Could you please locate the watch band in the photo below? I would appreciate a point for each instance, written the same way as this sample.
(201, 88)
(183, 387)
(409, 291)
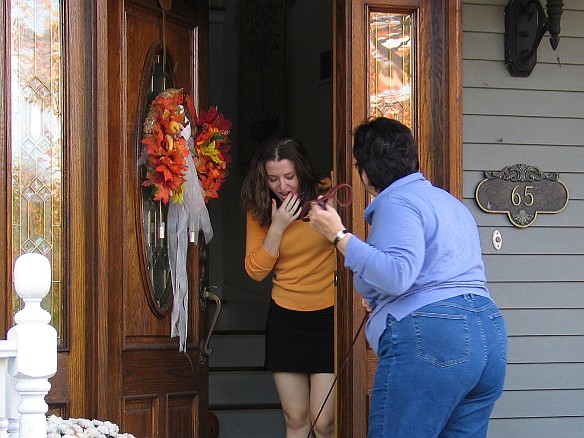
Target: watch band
(339, 236)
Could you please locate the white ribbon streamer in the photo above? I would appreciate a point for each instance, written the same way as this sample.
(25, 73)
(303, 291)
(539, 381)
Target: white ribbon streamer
(185, 219)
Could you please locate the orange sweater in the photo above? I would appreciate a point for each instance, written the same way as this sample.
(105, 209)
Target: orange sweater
(303, 270)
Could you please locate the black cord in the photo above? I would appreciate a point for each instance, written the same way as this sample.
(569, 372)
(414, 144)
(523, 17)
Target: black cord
(337, 376)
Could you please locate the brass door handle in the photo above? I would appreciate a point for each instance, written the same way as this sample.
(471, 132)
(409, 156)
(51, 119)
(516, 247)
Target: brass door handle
(208, 295)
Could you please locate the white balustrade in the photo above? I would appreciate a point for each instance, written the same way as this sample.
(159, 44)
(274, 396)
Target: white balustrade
(7, 390)
(28, 356)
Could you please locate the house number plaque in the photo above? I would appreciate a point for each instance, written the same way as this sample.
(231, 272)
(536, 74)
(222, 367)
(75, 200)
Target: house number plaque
(521, 191)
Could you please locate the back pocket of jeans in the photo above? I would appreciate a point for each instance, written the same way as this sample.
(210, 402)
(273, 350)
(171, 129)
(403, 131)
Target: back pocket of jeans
(499, 324)
(442, 339)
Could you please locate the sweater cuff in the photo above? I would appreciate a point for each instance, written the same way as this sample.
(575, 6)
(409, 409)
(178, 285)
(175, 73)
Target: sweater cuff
(265, 259)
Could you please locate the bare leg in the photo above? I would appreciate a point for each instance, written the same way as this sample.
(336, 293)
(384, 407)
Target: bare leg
(320, 385)
(294, 392)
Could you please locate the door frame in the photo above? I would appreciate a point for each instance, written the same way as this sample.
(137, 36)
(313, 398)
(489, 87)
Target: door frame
(440, 142)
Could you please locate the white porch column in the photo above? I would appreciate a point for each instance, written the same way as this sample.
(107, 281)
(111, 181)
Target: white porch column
(36, 357)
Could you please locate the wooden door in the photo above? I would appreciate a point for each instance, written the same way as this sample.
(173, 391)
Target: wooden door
(154, 389)
(436, 120)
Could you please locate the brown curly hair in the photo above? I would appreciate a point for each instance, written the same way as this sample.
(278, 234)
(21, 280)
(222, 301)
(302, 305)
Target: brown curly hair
(256, 197)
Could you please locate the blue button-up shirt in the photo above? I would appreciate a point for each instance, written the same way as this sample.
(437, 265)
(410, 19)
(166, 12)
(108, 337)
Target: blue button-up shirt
(423, 246)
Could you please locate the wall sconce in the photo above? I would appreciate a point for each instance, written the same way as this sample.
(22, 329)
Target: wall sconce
(525, 25)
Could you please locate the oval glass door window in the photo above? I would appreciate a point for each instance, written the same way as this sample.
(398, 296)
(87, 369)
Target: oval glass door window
(154, 213)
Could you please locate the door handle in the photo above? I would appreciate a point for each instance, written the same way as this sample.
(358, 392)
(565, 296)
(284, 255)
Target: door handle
(208, 295)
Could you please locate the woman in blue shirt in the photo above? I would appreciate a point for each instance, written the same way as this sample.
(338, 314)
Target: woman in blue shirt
(440, 339)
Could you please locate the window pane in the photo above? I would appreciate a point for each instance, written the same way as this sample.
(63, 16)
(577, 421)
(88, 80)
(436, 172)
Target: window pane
(37, 140)
(391, 66)
(155, 213)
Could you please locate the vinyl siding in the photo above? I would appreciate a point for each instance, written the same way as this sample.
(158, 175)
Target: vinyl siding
(537, 277)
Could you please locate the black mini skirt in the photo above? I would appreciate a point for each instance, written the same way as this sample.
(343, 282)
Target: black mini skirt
(300, 341)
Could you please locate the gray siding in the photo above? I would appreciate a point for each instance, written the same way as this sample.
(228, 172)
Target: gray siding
(537, 277)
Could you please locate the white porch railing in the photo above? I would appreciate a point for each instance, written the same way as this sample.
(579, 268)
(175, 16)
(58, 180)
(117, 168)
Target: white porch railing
(28, 356)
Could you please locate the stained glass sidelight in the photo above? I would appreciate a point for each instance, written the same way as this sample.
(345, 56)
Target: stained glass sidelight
(37, 140)
(391, 66)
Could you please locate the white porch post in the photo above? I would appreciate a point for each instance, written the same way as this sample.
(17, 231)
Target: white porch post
(36, 357)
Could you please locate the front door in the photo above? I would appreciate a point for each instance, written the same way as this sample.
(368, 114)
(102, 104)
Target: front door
(400, 59)
(156, 390)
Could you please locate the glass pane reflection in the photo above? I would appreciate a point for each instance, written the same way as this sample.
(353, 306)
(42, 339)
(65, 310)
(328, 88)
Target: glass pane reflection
(391, 66)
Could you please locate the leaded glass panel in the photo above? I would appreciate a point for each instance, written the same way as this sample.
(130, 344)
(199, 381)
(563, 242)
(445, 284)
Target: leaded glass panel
(391, 66)
(37, 140)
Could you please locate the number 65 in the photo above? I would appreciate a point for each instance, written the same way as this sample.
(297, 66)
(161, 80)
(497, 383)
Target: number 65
(527, 198)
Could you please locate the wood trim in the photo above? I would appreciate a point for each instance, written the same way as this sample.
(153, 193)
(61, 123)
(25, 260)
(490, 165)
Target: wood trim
(5, 187)
(439, 131)
(98, 311)
(110, 335)
(350, 402)
(455, 171)
(78, 141)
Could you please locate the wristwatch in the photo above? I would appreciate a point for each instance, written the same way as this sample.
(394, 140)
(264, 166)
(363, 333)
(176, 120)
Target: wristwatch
(341, 234)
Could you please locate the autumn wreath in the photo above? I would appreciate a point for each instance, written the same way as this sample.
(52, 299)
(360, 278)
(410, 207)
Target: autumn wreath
(172, 131)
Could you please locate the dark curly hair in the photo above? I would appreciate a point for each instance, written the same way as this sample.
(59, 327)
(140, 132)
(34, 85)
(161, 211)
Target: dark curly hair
(386, 150)
(256, 196)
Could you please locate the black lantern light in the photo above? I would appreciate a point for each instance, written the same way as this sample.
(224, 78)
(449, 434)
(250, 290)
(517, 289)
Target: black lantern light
(525, 25)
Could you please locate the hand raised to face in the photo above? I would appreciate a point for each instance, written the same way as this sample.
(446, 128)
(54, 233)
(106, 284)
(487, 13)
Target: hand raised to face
(287, 213)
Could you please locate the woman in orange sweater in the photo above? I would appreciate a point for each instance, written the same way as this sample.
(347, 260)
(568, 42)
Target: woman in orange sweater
(300, 324)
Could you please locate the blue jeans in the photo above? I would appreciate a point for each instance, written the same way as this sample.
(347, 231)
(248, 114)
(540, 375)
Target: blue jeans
(440, 371)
